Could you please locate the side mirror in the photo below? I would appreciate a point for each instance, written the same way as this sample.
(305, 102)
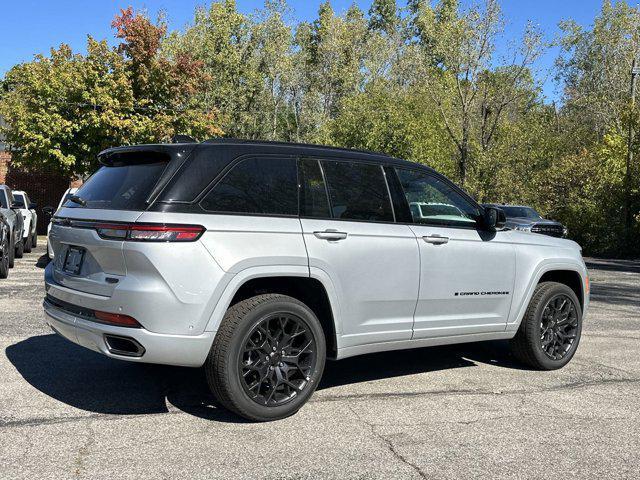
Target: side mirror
(48, 210)
(33, 206)
(494, 218)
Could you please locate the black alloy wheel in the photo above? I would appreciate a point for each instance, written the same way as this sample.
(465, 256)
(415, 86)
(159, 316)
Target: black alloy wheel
(558, 326)
(267, 357)
(550, 330)
(278, 358)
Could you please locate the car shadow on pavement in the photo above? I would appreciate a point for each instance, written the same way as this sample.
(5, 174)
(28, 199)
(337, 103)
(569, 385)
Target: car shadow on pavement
(89, 381)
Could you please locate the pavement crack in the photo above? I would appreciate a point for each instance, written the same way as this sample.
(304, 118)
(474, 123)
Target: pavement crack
(83, 452)
(388, 444)
(470, 392)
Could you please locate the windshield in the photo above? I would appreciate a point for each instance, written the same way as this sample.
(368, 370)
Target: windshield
(3, 200)
(66, 197)
(122, 187)
(18, 199)
(520, 212)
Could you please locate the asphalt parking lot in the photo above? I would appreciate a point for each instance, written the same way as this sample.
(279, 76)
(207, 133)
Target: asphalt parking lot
(466, 411)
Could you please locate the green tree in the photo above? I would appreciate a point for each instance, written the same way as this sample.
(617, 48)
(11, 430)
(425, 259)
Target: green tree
(62, 109)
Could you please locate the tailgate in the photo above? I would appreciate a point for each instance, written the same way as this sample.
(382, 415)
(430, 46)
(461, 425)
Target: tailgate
(102, 261)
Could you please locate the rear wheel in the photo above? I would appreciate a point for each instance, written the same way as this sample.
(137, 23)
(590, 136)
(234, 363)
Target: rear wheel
(550, 330)
(4, 259)
(34, 240)
(267, 357)
(20, 249)
(27, 244)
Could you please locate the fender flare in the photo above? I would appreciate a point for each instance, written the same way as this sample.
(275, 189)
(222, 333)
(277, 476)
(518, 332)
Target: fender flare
(542, 268)
(240, 278)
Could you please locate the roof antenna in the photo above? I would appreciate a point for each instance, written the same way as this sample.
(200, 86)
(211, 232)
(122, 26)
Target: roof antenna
(183, 139)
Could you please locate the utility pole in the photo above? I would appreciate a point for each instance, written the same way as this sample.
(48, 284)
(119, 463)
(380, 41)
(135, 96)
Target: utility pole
(635, 70)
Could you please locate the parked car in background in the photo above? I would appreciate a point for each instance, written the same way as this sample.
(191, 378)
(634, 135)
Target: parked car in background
(5, 245)
(30, 217)
(16, 223)
(527, 219)
(50, 211)
(259, 260)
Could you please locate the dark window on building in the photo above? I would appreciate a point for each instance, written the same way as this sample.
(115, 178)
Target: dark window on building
(357, 191)
(266, 186)
(313, 194)
(436, 202)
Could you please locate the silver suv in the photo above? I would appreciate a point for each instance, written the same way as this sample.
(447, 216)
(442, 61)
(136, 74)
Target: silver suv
(260, 260)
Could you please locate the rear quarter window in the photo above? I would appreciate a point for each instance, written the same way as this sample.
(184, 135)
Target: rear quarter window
(120, 187)
(257, 185)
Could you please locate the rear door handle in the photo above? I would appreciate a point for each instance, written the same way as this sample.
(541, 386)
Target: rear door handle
(435, 239)
(330, 235)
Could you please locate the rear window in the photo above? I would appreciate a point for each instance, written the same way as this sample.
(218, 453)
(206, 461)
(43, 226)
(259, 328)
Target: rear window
(120, 187)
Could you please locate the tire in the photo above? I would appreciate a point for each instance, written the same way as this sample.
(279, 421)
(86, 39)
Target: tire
(528, 346)
(27, 244)
(4, 260)
(34, 240)
(228, 360)
(20, 249)
(12, 252)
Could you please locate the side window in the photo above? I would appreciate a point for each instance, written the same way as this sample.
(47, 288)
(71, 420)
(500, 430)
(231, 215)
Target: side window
(357, 191)
(257, 186)
(3, 199)
(313, 194)
(433, 201)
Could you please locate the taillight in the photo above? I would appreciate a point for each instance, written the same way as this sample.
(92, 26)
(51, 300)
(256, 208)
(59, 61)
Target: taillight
(116, 319)
(140, 232)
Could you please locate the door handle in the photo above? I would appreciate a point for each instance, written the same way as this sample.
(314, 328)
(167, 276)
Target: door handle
(435, 239)
(330, 235)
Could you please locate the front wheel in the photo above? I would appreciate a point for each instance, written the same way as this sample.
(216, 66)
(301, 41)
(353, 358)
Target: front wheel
(267, 357)
(34, 240)
(19, 250)
(12, 252)
(550, 330)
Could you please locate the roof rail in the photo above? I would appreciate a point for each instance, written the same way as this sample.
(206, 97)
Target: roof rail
(229, 140)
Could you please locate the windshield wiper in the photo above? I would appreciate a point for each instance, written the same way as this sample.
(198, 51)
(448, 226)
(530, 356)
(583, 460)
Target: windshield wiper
(79, 200)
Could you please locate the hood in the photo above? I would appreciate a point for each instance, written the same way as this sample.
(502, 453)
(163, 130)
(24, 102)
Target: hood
(530, 221)
(546, 240)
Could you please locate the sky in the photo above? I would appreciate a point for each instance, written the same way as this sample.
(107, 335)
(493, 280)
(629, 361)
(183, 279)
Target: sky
(29, 27)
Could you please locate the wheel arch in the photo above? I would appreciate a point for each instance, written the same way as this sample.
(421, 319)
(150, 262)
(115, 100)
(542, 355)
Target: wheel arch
(570, 273)
(570, 278)
(296, 283)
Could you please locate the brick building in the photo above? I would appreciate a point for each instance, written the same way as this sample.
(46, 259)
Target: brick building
(43, 187)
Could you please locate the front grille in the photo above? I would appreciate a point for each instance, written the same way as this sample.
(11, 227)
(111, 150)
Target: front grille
(551, 230)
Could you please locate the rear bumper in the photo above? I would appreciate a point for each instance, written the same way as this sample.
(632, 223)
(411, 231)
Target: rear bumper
(179, 350)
